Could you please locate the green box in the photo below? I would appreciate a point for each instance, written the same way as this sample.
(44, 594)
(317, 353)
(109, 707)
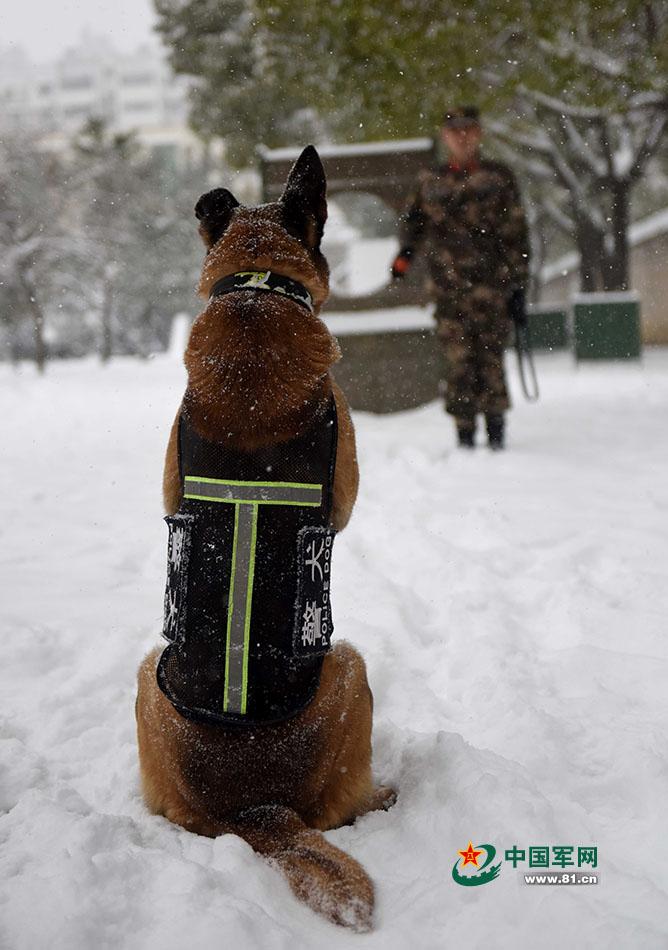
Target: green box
(548, 328)
(607, 326)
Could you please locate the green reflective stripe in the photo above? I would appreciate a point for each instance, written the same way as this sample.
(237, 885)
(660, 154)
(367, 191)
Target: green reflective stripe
(251, 501)
(238, 620)
(249, 599)
(232, 481)
(262, 493)
(230, 608)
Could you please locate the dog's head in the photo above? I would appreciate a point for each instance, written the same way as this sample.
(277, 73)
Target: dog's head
(283, 236)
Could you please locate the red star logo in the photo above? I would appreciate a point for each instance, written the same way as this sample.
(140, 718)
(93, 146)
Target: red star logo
(470, 855)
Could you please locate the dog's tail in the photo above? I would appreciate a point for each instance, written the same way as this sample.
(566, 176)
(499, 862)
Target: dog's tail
(328, 880)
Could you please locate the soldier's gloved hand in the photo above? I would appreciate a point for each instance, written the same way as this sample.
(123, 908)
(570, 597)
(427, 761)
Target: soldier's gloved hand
(517, 310)
(401, 264)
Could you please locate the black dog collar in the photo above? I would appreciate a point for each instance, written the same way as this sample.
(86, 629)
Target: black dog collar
(264, 280)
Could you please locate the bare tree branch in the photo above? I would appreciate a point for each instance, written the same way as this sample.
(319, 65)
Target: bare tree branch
(649, 145)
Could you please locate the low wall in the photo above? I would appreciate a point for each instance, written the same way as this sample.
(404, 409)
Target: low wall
(390, 360)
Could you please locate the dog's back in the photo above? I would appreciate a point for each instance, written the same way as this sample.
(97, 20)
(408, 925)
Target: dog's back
(258, 382)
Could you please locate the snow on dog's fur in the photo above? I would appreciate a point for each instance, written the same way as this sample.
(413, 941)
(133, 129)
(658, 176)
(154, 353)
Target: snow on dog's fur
(258, 371)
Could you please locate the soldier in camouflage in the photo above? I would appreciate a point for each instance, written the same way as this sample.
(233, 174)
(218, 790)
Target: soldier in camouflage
(467, 219)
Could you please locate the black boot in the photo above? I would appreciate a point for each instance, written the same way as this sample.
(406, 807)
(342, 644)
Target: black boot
(465, 432)
(495, 431)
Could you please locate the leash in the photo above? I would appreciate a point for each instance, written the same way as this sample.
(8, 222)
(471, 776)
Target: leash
(524, 353)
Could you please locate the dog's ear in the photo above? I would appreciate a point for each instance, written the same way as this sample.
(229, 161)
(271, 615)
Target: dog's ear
(213, 211)
(304, 200)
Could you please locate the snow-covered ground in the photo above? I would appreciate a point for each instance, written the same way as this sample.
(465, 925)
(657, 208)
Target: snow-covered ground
(513, 611)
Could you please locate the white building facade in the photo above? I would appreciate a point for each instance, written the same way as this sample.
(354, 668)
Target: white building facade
(134, 91)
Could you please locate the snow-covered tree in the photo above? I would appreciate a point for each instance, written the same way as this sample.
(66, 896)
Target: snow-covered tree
(233, 54)
(140, 254)
(35, 239)
(589, 114)
(100, 247)
(108, 173)
(578, 91)
(159, 276)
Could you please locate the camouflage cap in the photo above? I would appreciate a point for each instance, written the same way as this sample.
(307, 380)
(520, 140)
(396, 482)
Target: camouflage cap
(461, 117)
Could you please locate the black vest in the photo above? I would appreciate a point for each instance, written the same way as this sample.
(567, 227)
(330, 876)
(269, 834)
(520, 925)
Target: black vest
(247, 603)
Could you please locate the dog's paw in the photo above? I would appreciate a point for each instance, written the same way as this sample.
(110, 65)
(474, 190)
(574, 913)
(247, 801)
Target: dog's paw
(384, 798)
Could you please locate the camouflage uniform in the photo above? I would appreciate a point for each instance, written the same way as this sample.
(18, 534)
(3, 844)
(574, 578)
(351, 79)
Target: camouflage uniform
(469, 224)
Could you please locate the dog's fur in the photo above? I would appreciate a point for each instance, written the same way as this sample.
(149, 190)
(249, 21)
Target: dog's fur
(258, 369)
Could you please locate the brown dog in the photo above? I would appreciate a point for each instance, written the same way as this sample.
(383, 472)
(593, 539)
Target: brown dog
(258, 376)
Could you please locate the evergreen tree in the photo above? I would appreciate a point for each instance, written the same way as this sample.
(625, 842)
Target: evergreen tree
(233, 54)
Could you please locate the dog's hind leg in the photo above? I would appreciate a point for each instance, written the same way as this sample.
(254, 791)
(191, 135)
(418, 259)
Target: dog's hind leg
(349, 790)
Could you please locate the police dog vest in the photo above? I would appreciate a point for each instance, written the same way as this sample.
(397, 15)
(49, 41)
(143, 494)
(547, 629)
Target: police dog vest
(247, 603)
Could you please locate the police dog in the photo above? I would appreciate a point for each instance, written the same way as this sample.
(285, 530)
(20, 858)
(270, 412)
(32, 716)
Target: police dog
(258, 362)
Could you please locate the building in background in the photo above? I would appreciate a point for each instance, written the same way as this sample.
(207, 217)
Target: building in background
(134, 91)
